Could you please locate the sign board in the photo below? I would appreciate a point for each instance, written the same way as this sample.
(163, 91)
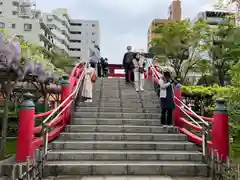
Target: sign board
(119, 71)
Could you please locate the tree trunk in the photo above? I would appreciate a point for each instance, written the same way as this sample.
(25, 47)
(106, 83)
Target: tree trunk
(221, 78)
(5, 125)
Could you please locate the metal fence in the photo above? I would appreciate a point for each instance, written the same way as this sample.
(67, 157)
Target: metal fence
(32, 169)
(222, 169)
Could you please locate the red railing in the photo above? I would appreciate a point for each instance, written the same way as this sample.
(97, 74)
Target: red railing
(192, 124)
(55, 120)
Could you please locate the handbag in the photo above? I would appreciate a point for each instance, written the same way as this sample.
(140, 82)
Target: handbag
(141, 70)
(94, 78)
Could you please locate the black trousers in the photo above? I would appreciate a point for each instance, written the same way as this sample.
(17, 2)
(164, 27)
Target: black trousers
(166, 116)
(127, 76)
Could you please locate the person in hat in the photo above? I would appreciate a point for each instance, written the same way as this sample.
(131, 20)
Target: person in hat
(166, 97)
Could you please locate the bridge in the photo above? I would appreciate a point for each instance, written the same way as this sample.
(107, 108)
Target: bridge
(119, 133)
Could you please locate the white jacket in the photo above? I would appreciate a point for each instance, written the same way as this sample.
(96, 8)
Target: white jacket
(163, 88)
(138, 64)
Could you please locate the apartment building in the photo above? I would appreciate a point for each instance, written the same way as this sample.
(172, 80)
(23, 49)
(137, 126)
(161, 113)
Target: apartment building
(21, 18)
(174, 14)
(74, 36)
(212, 18)
(175, 10)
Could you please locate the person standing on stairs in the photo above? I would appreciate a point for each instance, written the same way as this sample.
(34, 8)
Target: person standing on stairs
(128, 64)
(139, 64)
(89, 78)
(166, 98)
(156, 85)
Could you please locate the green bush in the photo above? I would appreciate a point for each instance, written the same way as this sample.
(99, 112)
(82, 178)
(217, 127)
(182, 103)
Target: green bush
(232, 96)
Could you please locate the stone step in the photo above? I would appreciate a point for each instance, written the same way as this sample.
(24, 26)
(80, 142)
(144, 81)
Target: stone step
(170, 168)
(120, 121)
(129, 105)
(120, 128)
(123, 145)
(103, 136)
(117, 109)
(117, 115)
(101, 155)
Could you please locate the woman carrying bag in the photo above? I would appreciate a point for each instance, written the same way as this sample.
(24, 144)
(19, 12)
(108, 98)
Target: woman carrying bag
(139, 64)
(90, 77)
(166, 97)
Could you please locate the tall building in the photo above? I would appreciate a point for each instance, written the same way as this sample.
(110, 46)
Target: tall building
(21, 18)
(212, 18)
(151, 33)
(234, 7)
(74, 36)
(174, 14)
(175, 10)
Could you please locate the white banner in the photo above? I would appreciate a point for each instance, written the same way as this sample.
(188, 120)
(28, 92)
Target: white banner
(119, 71)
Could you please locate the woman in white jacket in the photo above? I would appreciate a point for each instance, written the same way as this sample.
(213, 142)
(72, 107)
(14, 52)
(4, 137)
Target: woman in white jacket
(166, 98)
(90, 75)
(138, 63)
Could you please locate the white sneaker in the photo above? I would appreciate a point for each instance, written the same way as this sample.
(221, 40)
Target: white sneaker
(137, 90)
(141, 89)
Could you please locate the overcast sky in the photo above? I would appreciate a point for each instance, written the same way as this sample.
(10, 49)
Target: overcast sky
(122, 22)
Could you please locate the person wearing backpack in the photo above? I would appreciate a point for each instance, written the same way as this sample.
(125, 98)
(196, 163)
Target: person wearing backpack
(128, 64)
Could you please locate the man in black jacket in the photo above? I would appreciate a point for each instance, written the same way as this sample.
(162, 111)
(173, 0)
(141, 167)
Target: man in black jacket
(128, 64)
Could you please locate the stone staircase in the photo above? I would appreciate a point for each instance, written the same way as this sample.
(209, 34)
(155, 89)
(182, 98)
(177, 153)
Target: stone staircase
(120, 134)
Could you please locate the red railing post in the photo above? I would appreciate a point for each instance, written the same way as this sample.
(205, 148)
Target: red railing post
(220, 133)
(65, 88)
(177, 111)
(65, 92)
(25, 129)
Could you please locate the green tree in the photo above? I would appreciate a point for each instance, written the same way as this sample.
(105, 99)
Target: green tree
(225, 50)
(181, 42)
(204, 67)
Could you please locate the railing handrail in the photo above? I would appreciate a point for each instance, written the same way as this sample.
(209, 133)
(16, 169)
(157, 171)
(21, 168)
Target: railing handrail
(197, 116)
(76, 90)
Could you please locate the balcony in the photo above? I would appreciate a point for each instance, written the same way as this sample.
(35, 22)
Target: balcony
(76, 28)
(75, 36)
(46, 38)
(75, 45)
(75, 53)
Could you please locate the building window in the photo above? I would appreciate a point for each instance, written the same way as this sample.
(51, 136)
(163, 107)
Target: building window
(76, 24)
(13, 26)
(93, 33)
(93, 42)
(2, 25)
(15, 3)
(14, 13)
(93, 25)
(75, 49)
(27, 27)
(1, 12)
(76, 32)
(20, 37)
(1, 3)
(75, 41)
(49, 18)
